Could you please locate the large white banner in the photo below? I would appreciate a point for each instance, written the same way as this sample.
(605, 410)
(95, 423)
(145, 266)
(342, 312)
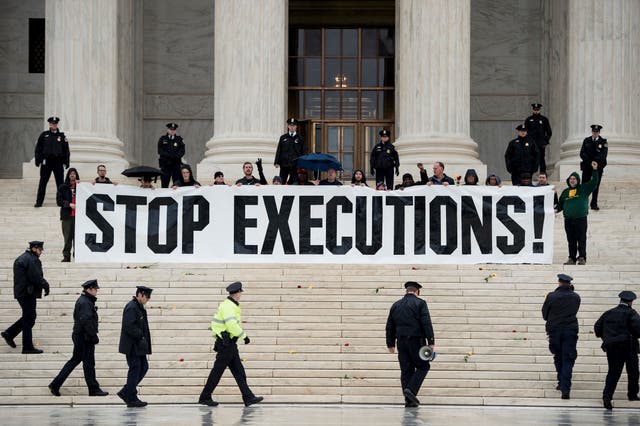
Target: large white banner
(314, 224)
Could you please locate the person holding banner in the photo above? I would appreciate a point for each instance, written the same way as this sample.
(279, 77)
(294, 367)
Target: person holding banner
(248, 178)
(186, 178)
(409, 325)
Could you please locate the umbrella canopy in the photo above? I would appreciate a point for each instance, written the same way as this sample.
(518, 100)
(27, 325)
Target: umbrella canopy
(143, 172)
(319, 162)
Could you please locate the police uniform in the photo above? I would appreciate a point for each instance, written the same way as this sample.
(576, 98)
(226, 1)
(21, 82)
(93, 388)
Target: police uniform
(28, 285)
(52, 154)
(593, 149)
(384, 159)
(290, 147)
(170, 150)
(619, 329)
(559, 310)
(85, 339)
(409, 326)
(227, 330)
(521, 156)
(539, 129)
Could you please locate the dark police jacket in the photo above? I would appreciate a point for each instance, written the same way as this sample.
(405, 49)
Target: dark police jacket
(170, 151)
(135, 337)
(384, 156)
(409, 317)
(538, 129)
(521, 156)
(28, 280)
(619, 328)
(593, 151)
(85, 318)
(52, 147)
(289, 149)
(560, 308)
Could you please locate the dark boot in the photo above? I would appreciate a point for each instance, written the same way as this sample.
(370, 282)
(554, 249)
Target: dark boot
(607, 403)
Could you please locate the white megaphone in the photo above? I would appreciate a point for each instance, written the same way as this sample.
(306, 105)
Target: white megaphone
(426, 353)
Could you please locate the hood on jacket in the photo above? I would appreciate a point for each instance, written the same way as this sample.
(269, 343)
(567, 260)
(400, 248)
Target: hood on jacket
(471, 172)
(498, 180)
(577, 177)
(71, 169)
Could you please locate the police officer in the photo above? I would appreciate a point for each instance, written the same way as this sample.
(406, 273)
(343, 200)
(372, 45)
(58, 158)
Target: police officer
(521, 155)
(384, 158)
(409, 324)
(52, 153)
(559, 310)
(290, 147)
(539, 130)
(135, 343)
(85, 339)
(593, 148)
(227, 329)
(28, 285)
(171, 150)
(619, 329)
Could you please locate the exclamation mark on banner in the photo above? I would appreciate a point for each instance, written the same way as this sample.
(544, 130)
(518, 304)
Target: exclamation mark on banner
(538, 223)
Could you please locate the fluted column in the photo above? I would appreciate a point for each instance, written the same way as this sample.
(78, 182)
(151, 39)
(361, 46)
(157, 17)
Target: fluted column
(433, 83)
(603, 82)
(249, 85)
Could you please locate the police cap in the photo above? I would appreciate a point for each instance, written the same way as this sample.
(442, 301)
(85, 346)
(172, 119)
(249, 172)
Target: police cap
(53, 120)
(172, 126)
(536, 106)
(90, 284)
(565, 278)
(145, 291)
(36, 244)
(412, 284)
(627, 296)
(521, 128)
(292, 122)
(384, 132)
(235, 287)
(596, 127)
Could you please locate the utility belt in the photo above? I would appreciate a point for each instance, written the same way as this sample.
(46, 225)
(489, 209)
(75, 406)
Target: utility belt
(225, 338)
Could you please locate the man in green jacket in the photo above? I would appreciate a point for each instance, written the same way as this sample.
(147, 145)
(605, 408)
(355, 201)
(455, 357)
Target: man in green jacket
(227, 331)
(574, 203)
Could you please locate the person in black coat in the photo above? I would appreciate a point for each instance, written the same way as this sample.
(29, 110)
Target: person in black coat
(135, 343)
(66, 199)
(559, 310)
(28, 285)
(170, 151)
(539, 130)
(521, 155)
(593, 148)
(290, 147)
(619, 329)
(85, 338)
(409, 324)
(384, 159)
(52, 153)
(186, 178)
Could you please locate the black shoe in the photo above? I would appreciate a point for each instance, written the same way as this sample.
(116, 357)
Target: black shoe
(254, 400)
(98, 392)
(66, 259)
(32, 351)
(595, 208)
(581, 261)
(565, 395)
(634, 398)
(136, 403)
(36, 205)
(410, 396)
(210, 402)
(410, 404)
(55, 391)
(8, 339)
(607, 403)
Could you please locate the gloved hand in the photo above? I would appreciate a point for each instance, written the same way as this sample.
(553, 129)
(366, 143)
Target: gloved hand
(397, 172)
(46, 291)
(247, 340)
(37, 164)
(66, 166)
(373, 172)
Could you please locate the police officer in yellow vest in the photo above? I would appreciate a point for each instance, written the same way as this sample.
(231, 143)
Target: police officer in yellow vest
(227, 331)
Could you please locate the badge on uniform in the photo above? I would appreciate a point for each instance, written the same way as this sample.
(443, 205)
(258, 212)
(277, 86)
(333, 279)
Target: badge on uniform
(175, 144)
(59, 139)
(526, 144)
(388, 151)
(599, 146)
(540, 121)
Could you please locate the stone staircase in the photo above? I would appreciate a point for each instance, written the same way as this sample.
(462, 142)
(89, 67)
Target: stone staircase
(317, 332)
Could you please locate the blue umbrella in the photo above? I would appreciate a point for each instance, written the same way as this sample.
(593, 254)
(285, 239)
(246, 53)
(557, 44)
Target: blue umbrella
(319, 162)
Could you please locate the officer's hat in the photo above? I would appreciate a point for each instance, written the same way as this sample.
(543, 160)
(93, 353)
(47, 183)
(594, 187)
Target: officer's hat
(90, 284)
(565, 278)
(521, 128)
(172, 126)
(412, 284)
(53, 120)
(384, 132)
(596, 127)
(234, 288)
(627, 296)
(536, 106)
(292, 122)
(36, 244)
(145, 291)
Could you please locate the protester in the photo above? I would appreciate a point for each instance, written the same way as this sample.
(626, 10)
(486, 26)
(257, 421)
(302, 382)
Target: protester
(332, 178)
(66, 199)
(102, 175)
(439, 177)
(358, 178)
(186, 178)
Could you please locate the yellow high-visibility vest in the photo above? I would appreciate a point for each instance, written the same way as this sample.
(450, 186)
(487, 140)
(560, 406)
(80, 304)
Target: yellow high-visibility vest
(228, 319)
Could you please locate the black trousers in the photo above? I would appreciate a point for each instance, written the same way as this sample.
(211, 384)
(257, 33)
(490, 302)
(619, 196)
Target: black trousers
(617, 357)
(227, 356)
(49, 166)
(386, 176)
(576, 230)
(25, 323)
(515, 179)
(542, 162)
(413, 369)
(83, 352)
(562, 344)
(170, 172)
(288, 174)
(586, 177)
(68, 232)
(138, 367)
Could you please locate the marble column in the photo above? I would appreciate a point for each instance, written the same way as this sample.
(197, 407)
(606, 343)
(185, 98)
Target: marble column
(89, 79)
(250, 85)
(603, 82)
(433, 84)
